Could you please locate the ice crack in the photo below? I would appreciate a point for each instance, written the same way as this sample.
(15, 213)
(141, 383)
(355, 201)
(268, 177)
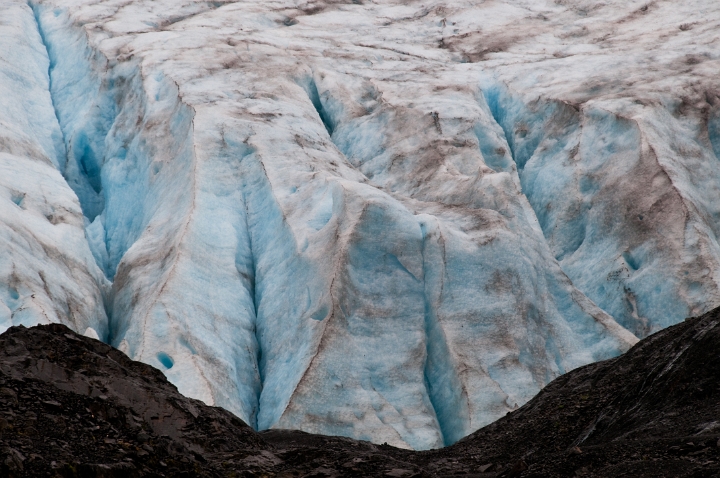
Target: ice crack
(33, 6)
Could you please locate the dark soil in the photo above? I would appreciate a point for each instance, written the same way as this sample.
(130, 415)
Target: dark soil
(71, 406)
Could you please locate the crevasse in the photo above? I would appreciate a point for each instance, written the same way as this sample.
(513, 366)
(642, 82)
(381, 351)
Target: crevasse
(132, 163)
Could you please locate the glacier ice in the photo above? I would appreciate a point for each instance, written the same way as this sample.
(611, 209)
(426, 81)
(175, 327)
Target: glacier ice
(394, 221)
(47, 272)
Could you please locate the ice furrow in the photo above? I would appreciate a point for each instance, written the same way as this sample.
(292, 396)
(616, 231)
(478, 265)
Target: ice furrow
(63, 158)
(317, 103)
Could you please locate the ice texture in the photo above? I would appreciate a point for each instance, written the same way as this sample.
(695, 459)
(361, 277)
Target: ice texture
(394, 221)
(47, 272)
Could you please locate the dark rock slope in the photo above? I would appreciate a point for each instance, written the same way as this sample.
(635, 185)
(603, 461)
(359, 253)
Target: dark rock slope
(72, 406)
(654, 411)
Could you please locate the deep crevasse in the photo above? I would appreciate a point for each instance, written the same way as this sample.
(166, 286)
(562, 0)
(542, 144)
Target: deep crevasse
(345, 248)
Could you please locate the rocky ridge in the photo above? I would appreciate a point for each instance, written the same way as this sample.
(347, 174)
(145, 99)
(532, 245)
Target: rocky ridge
(72, 406)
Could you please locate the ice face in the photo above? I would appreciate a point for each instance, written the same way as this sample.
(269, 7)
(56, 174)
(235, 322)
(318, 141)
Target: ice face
(349, 218)
(616, 177)
(47, 272)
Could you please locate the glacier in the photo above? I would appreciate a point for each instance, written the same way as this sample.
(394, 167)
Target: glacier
(393, 221)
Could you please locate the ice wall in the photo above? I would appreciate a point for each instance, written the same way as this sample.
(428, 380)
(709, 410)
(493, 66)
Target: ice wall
(47, 272)
(627, 197)
(499, 313)
(320, 227)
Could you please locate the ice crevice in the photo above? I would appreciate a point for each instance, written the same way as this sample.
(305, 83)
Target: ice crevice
(331, 110)
(96, 244)
(34, 8)
(317, 102)
(131, 161)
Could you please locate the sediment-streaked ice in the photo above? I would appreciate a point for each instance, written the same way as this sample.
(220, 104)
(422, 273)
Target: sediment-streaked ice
(389, 221)
(47, 272)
